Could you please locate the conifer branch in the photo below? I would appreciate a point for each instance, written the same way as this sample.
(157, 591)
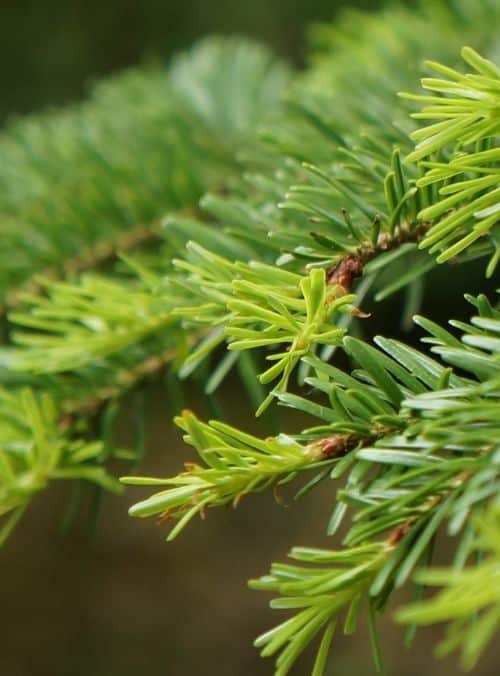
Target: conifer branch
(35, 450)
(466, 110)
(84, 190)
(469, 599)
(414, 437)
(432, 437)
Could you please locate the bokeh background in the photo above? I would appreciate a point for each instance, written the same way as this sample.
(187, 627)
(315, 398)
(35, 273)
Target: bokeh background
(51, 50)
(110, 597)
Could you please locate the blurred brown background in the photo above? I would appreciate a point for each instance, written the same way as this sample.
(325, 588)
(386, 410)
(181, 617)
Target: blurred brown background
(122, 602)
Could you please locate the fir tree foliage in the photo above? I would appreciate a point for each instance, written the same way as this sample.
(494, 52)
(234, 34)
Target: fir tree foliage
(80, 184)
(335, 191)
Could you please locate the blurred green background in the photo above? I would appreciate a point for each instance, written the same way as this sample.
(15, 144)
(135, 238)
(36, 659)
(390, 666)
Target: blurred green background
(120, 601)
(50, 50)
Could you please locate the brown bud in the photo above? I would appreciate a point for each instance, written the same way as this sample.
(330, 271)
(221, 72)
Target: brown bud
(346, 271)
(335, 446)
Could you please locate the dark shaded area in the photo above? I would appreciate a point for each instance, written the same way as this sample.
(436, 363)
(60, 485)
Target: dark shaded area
(124, 602)
(49, 51)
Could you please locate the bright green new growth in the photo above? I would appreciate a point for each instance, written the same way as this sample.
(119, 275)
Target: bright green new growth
(468, 115)
(33, 451)
(334, 192)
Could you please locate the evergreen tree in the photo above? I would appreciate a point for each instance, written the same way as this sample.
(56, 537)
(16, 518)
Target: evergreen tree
(320, 191)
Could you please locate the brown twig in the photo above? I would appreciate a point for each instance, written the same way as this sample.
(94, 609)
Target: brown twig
(351, 266)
